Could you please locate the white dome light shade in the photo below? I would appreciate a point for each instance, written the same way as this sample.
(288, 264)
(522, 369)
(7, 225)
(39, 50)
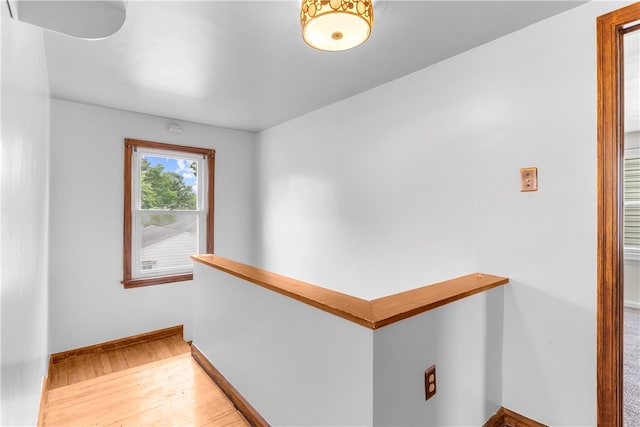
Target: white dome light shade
(336, 24)
(87, 19)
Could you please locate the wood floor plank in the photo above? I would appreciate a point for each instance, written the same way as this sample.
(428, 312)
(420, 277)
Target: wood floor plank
(80, 370)
(54, 377)
(173, 348)
(148, 351)
(106, 363)
(177, 345)
(116, 360)
(161, 350)
(194, 407)
(150, 383)
(103, 363)
(132, 357)
(233, 419)
(73, 371)
(129, 359)
(63, 375)
(121, 396)
(89, 366)
(134, 377)
(173, 391)
(66, 371)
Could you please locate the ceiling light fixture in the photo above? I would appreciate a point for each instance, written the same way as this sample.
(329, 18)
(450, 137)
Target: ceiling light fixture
(336, 24)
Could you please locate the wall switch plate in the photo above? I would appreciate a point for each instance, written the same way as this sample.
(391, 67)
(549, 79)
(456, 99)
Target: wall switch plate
(528, 179)
(430, 382)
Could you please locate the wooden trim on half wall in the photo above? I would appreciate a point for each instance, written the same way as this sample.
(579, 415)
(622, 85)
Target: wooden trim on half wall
(610, 258)
(372, 314)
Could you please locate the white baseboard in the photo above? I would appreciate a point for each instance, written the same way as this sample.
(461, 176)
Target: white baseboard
(632, 304)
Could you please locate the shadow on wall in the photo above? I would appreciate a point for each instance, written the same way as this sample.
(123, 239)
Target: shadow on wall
(545, 331)
(464, 340)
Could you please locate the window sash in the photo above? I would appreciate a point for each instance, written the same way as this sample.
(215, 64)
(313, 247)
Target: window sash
(136, 173)
(138, 251)
(137, 211)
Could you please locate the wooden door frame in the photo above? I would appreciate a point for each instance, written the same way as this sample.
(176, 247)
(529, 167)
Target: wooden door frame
(610, 29)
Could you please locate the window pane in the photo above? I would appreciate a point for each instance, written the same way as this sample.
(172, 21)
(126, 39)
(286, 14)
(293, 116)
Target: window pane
(168, 183)
(632, 179)
(167, 241)
(632, 202)
(632, 226)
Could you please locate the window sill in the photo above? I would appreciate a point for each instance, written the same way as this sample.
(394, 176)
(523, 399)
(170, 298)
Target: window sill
(138, 283)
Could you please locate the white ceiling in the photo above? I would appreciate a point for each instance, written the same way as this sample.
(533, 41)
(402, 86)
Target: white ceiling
(243, 65)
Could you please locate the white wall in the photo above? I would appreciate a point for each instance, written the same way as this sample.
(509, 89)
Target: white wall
(418, 180)
(298, 365)
(88, 303)
(366, 188)
(464, 341)
(295, 364)
(632, 283)
(24, 209)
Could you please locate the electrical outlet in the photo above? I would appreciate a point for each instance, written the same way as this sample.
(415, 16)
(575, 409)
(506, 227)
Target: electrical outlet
(430, 382)
(528, 179)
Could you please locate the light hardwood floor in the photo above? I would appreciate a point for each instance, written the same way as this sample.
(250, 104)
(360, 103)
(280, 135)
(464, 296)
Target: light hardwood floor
(125, 387)
(87, 366)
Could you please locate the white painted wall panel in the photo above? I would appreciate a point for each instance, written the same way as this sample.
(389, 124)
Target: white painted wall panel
(544, 241)
(88, 303)
(418, 180)
(632, 283)
(24, 227)
(464, 341)
(297, 365)
(366, 186)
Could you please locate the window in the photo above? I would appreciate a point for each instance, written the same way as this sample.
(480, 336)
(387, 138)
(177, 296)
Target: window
(168, 211)
(148, 265)
(632, 204)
